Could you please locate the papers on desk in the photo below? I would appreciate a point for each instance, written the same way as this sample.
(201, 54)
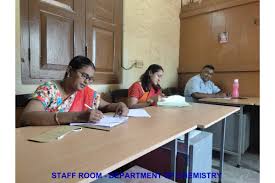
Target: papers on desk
(138, 113)
(173, 101)
(107, 122)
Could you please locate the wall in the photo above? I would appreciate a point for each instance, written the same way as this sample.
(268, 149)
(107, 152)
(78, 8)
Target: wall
(150, 33)
(201, 23)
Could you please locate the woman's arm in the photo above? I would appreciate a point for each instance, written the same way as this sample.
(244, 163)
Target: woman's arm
(35, 115)
(119, 108)
(134, 104)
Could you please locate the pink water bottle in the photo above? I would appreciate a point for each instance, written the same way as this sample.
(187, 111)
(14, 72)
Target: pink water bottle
(235, 92)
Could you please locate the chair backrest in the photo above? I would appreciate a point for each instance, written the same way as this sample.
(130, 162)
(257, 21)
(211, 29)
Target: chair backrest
(171, 91)
(120, 95)
(21, 101)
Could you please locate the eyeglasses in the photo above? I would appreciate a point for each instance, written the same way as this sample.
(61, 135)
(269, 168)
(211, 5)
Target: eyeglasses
(85, 76)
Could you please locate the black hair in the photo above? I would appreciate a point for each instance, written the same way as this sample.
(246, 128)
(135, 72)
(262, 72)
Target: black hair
(79, 62)
(145, 77)
(209, 67)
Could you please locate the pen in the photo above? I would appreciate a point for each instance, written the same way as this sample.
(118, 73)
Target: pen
(88, 107)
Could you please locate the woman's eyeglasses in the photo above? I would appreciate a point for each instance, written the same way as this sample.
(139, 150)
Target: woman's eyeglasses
(85, 76)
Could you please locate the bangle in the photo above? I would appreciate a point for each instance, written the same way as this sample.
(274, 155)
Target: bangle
(56, 118)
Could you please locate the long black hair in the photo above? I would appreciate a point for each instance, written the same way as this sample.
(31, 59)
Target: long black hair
(145, 77)
(79, 62)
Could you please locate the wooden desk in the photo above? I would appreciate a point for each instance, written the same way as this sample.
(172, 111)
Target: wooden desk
(100, 151)
(94, 150)
(235, 102)
(208, 115)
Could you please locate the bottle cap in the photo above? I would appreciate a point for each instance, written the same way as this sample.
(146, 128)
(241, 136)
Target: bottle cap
(236, 80)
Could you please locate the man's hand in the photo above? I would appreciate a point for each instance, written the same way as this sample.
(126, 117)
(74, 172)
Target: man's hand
(220, 95)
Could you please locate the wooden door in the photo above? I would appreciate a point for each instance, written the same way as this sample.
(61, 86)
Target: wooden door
(104, 38)
(57, 34)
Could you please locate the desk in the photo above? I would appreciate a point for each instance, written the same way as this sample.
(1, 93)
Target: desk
(101, 151)
(208, 115)
(94, 150)
(235, 102)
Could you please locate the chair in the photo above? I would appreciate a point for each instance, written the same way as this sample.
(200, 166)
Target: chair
(120, 95)
(171, 91)
(21, 101)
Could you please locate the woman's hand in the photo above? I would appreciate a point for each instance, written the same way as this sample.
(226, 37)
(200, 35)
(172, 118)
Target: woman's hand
(95, 115)
(157, 98)
(91, 116)
(121, 109)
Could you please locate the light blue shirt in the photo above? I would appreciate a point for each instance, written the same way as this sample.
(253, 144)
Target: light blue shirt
(196, 84)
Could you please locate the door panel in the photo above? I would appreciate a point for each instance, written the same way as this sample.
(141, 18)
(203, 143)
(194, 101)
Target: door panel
(55, 36)
(103, 38)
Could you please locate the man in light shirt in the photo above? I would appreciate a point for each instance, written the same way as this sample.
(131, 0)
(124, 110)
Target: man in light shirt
(200, 86)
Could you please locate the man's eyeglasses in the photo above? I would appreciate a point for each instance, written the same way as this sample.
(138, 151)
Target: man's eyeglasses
(85, 76)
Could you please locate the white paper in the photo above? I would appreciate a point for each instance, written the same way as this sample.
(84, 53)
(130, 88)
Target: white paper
(106, 121)
(173, 101)
(138, 113)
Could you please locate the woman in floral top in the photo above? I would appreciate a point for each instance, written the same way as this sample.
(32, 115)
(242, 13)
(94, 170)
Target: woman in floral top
(61, 102)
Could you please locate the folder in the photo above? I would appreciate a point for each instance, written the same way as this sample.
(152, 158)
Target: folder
(57, 133)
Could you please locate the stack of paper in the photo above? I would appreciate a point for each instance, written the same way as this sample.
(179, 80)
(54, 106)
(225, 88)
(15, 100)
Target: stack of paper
(107, 122)
(173, 101)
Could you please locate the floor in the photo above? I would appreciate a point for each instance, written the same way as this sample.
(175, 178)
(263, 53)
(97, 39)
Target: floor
(249, 172)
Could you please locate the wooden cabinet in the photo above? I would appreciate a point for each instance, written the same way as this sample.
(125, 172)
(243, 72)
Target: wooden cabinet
(53, 32)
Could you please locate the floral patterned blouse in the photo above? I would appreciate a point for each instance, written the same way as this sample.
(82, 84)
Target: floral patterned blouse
(50, 96)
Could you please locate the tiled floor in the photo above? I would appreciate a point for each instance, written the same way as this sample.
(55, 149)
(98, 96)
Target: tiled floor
(249, 172)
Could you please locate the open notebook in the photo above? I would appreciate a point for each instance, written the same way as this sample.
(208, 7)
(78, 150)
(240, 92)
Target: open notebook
(106, 123)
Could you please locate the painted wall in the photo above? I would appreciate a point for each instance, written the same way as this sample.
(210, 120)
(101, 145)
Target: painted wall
(150, 33)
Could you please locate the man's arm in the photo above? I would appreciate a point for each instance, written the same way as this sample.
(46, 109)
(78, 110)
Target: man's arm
(198, 95)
